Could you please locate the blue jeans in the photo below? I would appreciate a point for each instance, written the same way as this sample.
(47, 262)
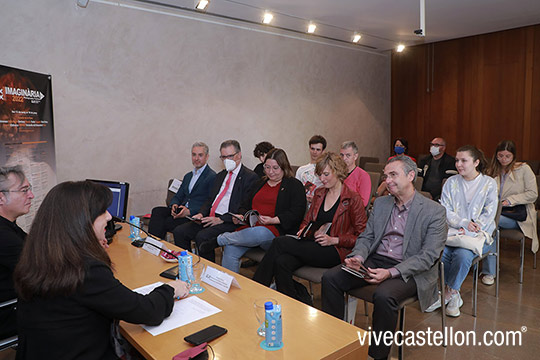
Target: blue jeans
(238, 242)
(457, 263)
(507, 223)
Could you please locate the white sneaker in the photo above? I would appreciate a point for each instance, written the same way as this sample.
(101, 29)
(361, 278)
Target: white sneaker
(436, 304)
(454, 304)
(488, 280)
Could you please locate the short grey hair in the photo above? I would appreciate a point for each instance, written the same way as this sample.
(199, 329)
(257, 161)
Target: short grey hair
(4, 174)
(228, 143)
(350, 144)
(201, 144)
(408, 164)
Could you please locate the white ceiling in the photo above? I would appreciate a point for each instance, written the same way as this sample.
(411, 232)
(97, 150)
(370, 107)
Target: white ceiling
(382, 23)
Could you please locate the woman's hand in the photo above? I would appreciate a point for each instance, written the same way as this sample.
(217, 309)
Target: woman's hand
(505, 203)
(325, 240)
(474, 227)
(267, 220)
(181, 288)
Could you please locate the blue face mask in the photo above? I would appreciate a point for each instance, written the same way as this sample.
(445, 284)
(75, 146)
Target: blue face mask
(399, 150)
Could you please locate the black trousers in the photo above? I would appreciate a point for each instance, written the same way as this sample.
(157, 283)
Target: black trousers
(162, 221)
(285, 256)
(184, 234)
(388, 295)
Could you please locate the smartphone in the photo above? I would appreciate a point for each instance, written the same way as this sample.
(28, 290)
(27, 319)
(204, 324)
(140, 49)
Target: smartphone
(205, 335)
(171, 273)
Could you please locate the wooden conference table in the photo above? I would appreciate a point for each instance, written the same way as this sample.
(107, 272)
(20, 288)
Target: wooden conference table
(307, 332)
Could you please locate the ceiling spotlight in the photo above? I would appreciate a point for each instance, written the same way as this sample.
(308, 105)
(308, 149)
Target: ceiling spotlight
(202, 4)
(356, 38)
(311, 28)
(400, 48)
(267, 18)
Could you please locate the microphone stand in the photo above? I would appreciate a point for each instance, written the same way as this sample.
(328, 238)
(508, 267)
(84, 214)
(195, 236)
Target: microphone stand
(140, 243)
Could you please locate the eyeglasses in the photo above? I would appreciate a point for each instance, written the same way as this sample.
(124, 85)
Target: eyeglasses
(24, 190)
(223, 157)
(437, 145)
(268, 168)
(502, 156)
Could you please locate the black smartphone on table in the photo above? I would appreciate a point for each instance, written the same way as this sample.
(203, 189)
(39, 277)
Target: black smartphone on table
(205, 335)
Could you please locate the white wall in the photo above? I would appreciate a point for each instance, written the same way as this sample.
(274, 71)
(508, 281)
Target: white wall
(132, 90)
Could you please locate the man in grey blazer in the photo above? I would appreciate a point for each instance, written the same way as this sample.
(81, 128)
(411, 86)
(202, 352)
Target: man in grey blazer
(404, 237)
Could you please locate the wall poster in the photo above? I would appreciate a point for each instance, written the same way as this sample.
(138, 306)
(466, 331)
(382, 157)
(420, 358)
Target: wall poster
(27, 133)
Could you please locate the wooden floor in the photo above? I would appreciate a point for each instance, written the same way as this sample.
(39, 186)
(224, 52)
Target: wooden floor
(517, 307)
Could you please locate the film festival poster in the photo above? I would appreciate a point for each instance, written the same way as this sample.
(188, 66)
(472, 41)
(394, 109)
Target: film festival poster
(27, 135)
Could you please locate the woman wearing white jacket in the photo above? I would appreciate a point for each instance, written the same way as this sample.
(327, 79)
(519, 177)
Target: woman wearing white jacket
(470, 199)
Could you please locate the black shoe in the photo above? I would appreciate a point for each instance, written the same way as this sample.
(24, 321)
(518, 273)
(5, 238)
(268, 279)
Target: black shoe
(249, 263)
(208, 246)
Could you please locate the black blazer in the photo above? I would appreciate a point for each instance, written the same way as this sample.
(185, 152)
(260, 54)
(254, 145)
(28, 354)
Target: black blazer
(78, 326)
(290, 204)
(243, 184)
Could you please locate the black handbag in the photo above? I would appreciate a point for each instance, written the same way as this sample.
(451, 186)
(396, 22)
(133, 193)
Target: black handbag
(517, 212)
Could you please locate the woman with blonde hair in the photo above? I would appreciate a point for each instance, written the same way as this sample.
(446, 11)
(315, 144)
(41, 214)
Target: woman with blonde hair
(334, 205)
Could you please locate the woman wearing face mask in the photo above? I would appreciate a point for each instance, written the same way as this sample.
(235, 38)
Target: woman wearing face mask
(68, 295)
(470, 199)
(280, 200)
(517, 187)
(401, 147)
(334, 204)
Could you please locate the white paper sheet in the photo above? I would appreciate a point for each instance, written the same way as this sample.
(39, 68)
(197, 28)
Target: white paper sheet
(175, 185)
(185, 311)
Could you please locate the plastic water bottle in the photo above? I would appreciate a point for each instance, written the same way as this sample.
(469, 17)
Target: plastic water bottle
(134, 232)
(185, 264)
(273, 335)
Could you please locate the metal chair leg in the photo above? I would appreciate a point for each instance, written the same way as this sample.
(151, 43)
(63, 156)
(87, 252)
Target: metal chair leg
(366, 308)
(475, 287)
(534, 261)
(521, 260)
(401, 327)
(443, 305)
(498, 246)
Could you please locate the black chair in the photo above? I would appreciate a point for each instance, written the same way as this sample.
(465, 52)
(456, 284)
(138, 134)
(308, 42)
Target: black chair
(11, 341)
(366, 293)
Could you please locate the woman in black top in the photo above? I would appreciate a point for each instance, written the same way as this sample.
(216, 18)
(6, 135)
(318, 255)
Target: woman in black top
(68, 295)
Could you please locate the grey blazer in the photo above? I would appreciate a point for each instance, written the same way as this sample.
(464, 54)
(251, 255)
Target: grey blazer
(425, 236)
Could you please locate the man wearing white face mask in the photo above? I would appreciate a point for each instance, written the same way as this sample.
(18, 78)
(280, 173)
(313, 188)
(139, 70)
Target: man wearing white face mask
(436, 167)
(231, 187)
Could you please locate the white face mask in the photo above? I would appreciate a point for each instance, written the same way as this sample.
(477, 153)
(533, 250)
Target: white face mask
(230, 165)
(434, 150)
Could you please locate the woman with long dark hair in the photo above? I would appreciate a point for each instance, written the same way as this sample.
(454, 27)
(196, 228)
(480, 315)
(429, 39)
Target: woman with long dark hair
(68, 295)
(518, 192)
(470, 199)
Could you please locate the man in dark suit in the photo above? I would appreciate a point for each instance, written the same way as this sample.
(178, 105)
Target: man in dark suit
(404, 237)
(436, 167)
(15, 200)
(230, 189)
(191, 195)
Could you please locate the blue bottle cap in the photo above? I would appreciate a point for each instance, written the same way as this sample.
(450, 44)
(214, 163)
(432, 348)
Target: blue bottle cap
(131, 217)
(268, 305)
(183, 253)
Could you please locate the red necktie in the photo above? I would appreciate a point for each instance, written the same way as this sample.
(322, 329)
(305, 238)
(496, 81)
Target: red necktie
(221, 195)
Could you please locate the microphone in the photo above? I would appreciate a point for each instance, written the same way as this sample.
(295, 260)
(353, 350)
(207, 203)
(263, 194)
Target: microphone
(140, 243)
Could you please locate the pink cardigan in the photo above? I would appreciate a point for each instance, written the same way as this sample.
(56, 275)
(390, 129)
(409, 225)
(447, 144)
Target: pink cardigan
(360, 182)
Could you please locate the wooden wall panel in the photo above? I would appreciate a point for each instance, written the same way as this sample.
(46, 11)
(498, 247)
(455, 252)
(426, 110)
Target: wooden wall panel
(484, 89)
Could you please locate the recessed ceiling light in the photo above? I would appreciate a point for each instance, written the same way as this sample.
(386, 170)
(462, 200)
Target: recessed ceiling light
(202, 4)
(311, 28)
(356, 38)
(400, 48)
(267, 18)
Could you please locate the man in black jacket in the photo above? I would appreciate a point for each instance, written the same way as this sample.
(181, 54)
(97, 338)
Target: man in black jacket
(15, 200)
(436, 167)
(230, 189)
